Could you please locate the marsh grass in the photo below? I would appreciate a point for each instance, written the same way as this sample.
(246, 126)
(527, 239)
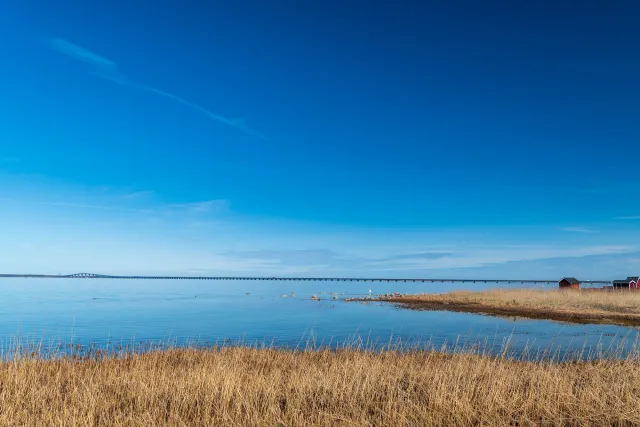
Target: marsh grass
(351, 385)
(584, 306)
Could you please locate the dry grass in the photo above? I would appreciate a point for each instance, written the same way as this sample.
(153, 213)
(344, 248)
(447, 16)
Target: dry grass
(268, 387)
(585, 306)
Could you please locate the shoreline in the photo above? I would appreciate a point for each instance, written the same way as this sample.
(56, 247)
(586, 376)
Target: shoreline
(513, 303)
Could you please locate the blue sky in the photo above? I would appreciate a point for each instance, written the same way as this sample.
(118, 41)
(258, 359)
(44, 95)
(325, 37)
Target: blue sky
(468, 139)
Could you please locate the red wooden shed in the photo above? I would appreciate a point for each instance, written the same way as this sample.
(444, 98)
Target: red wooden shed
(630, 282)
(569, 283)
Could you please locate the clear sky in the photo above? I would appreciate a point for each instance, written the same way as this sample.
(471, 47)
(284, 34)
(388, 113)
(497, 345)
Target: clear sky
(405, 138)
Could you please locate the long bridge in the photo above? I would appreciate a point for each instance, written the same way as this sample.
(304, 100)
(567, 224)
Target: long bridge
(294, 279)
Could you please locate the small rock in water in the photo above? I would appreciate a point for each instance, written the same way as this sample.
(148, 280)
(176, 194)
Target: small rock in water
(248, 293)
(315, 298)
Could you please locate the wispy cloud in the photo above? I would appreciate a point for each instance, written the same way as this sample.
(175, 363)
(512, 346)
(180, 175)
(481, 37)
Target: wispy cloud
(421, 256)
(579, 230)
(205, 207)
(318, 261)
(82, 54)
(99, 207)
(139, 195)
(108, 70)
(484, 258)
(628, 217)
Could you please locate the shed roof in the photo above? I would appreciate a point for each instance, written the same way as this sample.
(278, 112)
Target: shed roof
(634, 278)
(571, 280)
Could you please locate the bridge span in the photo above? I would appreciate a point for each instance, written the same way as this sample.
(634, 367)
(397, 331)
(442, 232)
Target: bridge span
(295, 279)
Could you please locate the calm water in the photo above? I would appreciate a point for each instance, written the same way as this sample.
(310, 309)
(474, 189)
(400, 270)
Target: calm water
(129, 311)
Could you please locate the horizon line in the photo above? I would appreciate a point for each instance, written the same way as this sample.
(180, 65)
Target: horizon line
(288, 278)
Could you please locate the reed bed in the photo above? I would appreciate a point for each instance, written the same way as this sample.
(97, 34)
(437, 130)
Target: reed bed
(348, 386)
(583, 306)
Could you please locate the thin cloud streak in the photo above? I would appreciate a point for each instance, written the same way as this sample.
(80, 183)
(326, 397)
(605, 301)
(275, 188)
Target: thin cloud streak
(493, 257)
(83, 206)
(628, 217)
(204, 207)
(196, 208)
(143, 194)
(81, 54)
(108, 70)
(453, 260)
(238, 124)
(579, 230)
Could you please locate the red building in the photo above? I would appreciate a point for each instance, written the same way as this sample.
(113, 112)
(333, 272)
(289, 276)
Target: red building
(569, 283)
(630, 282)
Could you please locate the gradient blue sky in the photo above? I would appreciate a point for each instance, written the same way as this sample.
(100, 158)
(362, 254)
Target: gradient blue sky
(468, 139)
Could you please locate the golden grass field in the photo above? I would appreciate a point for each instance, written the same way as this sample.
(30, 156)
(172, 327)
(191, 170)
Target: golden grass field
(584, 306)
(238, 386)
